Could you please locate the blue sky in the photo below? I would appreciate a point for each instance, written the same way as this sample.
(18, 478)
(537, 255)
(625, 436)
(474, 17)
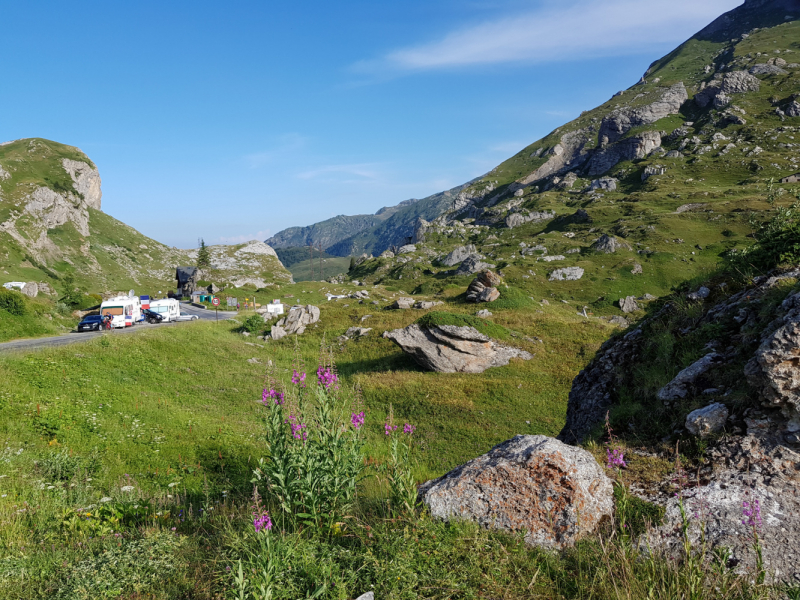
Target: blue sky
(233, 120)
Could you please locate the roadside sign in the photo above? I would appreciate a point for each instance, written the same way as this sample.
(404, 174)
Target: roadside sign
(215, 302)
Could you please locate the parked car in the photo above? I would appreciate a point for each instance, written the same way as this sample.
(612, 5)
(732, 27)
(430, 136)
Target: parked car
(152, 316)
(187, 317)
(91, 323)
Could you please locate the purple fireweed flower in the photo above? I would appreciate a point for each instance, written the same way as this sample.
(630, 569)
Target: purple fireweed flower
(616, 458)
(298, 378)
(297, 428)
(262, 523)
(751, 511)
(409, 429)
(388, 429)
(274, 394)
(357, 420)
(326, 377)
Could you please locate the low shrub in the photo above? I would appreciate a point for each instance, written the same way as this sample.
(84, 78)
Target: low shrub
(777, 242)
(253, 324)
(13, 302)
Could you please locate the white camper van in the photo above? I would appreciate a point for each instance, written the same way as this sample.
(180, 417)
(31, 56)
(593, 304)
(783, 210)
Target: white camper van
(169, 309)
(125, 311)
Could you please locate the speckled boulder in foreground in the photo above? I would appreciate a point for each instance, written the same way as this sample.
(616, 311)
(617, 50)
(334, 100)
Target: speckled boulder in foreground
(555, 492)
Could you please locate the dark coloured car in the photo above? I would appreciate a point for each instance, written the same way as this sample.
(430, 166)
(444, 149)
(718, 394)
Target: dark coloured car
(151, 316)
(91, 323)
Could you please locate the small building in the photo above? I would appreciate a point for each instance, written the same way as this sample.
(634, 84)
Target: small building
(791, 178)
(187, 280)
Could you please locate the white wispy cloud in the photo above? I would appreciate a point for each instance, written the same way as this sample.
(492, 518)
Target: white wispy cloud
(288, 142)
(362, 171)
(564, 30)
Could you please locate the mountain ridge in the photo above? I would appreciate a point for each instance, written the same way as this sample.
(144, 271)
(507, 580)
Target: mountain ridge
(602, 140)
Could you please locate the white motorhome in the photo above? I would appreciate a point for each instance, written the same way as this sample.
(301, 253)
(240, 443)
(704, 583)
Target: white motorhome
(169, 308)
(125, 311)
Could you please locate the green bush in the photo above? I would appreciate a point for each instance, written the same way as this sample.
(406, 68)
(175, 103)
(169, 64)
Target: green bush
(777, 242)
(253, 324)
(485, 327)
(13, 302)
(512, 298)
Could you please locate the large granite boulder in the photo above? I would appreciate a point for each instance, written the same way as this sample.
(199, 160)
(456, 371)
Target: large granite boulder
(552, 492)
(297, 320)
(453, 349)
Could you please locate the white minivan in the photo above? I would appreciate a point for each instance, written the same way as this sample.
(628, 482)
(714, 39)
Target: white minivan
(125, 311)
(169, 308)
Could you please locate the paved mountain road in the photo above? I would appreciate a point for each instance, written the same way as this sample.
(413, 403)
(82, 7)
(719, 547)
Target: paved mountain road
(74, 338)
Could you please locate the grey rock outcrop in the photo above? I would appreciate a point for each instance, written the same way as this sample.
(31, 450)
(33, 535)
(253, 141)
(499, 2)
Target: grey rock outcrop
(483, 313)
(472, 265)
(651, 170)
(484, 287)
(30, 289)
(628, 304)
(407, 249)
(402, 304)
(566, 274)
(86, 181)
(297, 320)
(637, 269)
(427, 305)
(775, 369)
(766, 69)
(747, 471)
(700, 294)
(515, 219)
(682, 384)
(459, 255)
(707, 420)
(452, 349)
(633, 148)
(553, 493)
(568, 154)
(608, 244)
(608, 184)
(793, 110)
(738, 82)
(277, 333)
(620, 121)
